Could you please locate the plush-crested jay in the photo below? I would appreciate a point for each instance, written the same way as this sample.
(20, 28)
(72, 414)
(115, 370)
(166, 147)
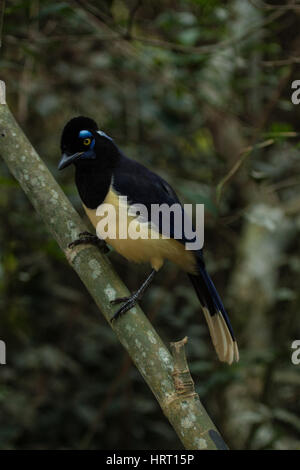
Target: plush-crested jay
(103, 174)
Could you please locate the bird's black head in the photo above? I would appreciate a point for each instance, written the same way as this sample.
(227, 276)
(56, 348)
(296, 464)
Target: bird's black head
(81, 142)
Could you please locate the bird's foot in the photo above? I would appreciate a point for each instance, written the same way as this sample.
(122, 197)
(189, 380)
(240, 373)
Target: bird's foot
(90, 239)
(129, 302)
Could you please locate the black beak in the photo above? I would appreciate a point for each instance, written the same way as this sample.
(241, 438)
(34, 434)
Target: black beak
(66, 160)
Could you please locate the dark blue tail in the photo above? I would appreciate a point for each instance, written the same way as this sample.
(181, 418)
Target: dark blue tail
(218, 321)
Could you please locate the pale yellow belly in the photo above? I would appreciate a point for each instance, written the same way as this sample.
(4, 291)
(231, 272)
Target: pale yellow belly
(140, 250)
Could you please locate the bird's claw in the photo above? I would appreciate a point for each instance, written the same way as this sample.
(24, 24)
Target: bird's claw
(119, 300)
(89, 238)
(129, 303)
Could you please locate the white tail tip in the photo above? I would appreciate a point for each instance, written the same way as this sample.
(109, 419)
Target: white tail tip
(225, 346)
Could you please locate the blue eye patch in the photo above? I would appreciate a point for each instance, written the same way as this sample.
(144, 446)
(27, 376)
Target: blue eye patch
(84, 134)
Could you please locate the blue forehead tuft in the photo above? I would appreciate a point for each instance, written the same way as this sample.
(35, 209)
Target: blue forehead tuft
(84, 134)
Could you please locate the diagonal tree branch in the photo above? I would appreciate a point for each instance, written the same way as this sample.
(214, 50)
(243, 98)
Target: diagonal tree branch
(184, 411)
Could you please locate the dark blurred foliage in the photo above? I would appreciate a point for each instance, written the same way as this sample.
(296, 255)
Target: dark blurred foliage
(218, 81)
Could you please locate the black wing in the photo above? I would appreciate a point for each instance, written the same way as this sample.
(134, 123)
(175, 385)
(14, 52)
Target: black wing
(142, 186)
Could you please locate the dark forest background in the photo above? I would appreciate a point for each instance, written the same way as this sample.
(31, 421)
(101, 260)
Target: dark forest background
(200, 91)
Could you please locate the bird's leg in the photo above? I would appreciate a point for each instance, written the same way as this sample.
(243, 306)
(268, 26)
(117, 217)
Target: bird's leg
(89, 238)
(133, 299)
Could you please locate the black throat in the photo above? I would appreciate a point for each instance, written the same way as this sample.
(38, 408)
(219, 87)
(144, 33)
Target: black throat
(93, 186)
(93, 178)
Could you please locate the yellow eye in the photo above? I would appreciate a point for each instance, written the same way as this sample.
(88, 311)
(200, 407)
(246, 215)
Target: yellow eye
(87, 141)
